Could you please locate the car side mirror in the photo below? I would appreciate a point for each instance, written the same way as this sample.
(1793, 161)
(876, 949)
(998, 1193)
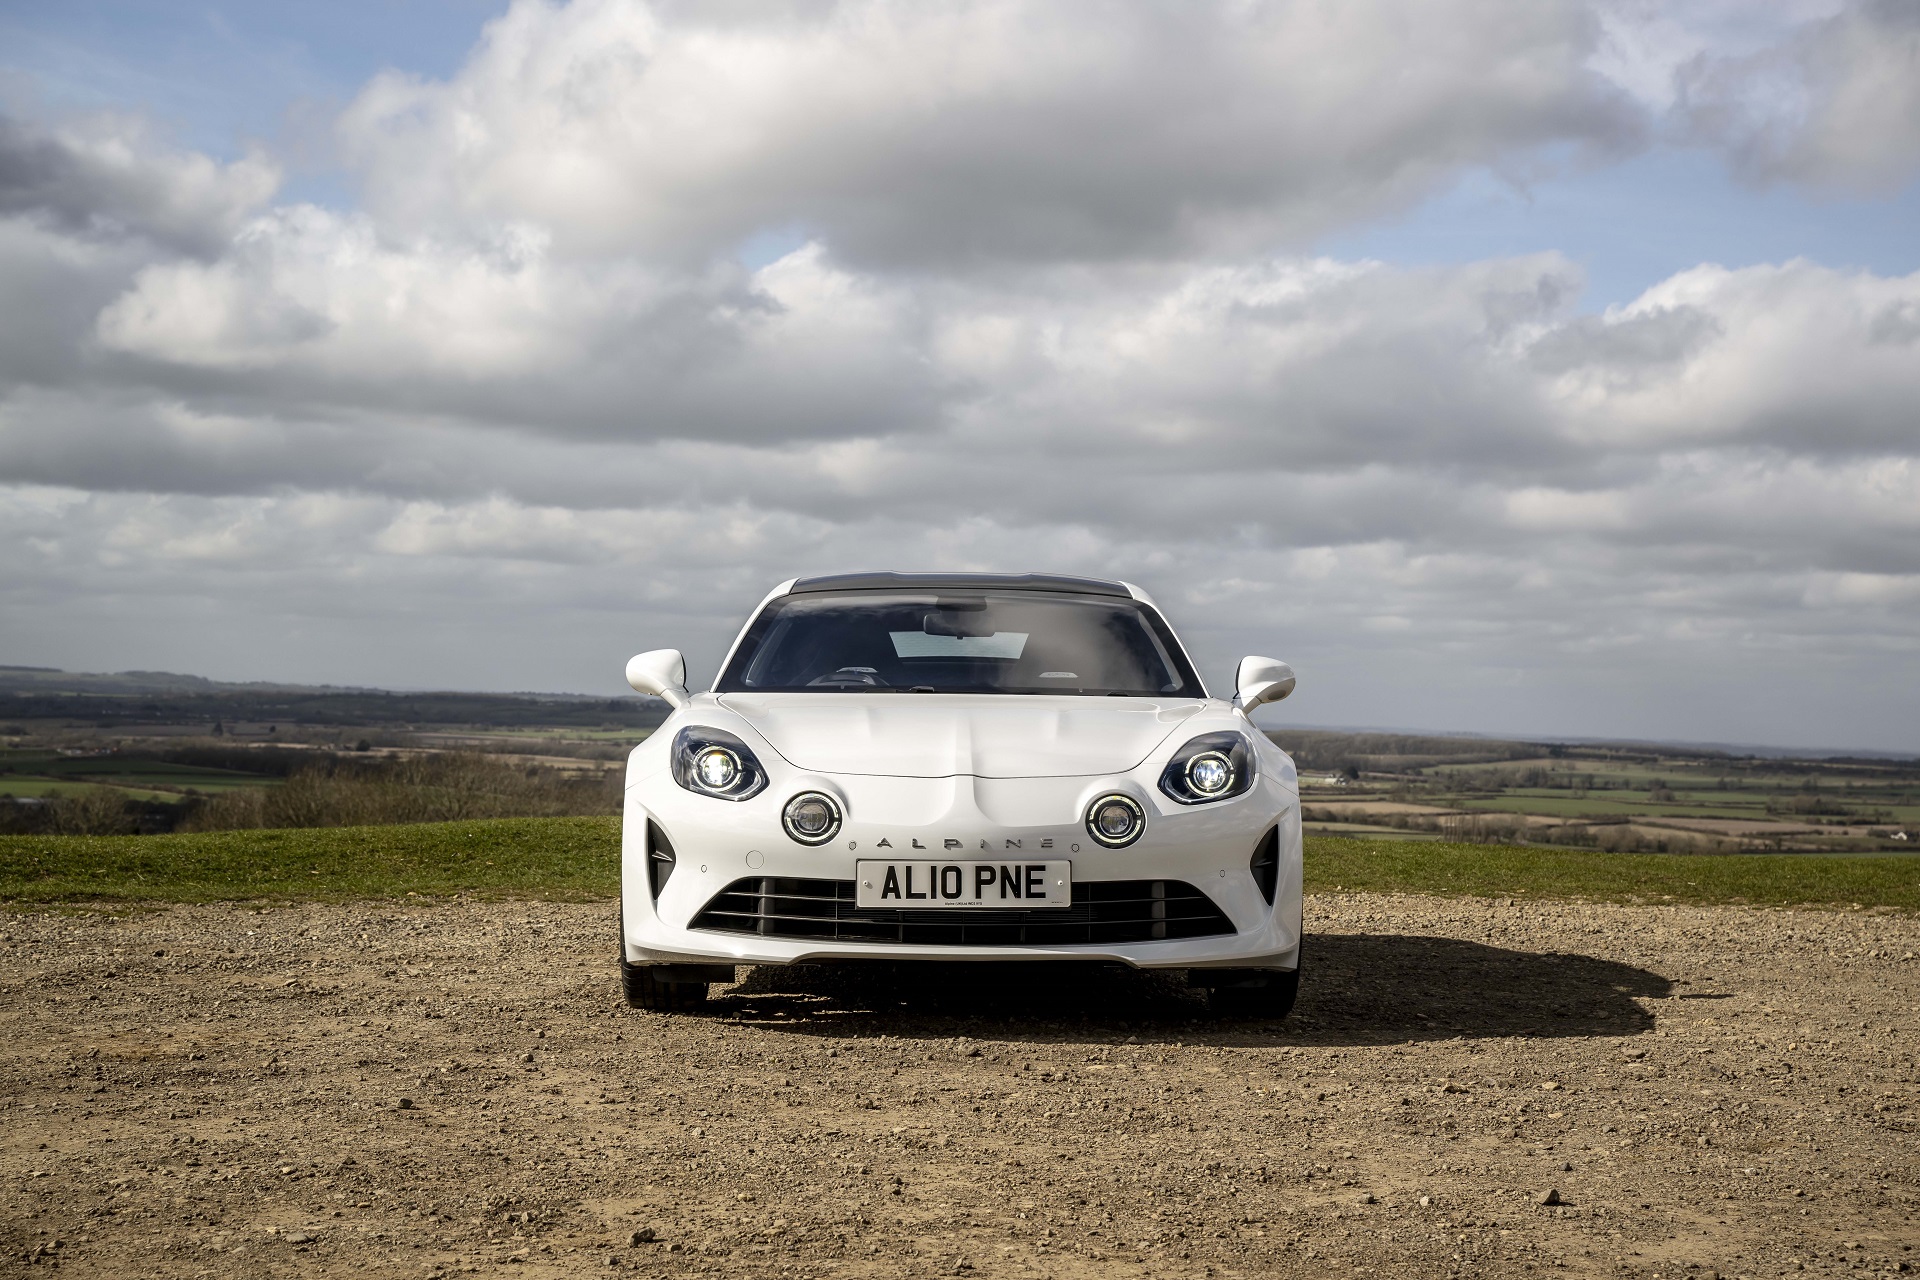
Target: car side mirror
(1260, 681)
(662, 673)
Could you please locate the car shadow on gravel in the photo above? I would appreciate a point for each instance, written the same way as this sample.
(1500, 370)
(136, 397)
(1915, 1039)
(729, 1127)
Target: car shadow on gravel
(1356, 989)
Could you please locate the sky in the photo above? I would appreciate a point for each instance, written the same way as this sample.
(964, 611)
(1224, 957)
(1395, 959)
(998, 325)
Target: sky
(1530, 367)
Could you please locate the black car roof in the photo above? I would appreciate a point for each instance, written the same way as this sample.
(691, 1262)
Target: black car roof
(959, 582)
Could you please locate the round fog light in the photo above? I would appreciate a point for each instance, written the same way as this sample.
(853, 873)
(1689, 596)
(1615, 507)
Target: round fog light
(1209, 773)
(811, 817)
(1115, 820)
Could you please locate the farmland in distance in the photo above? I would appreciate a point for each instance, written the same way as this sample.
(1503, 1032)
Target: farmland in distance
(1625, 797)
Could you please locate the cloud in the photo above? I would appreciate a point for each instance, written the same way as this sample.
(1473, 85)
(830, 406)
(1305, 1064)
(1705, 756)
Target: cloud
(1304, 364)
(973, 131)
(1837, 105)
(108, 176)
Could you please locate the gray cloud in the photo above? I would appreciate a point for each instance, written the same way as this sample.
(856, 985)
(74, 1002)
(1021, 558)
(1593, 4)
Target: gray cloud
(1836, 105)
(109, 177)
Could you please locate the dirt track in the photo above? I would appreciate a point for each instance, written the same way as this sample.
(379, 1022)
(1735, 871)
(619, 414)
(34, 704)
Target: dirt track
(218, 1091)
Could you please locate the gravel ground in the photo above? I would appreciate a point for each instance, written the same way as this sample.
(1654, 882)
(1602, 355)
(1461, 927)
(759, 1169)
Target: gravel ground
(1468, 1088)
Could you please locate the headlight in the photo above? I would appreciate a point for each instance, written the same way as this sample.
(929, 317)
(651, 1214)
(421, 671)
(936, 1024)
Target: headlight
(1116, 820)
(712, 762)
(812, 817)
(1213, 766)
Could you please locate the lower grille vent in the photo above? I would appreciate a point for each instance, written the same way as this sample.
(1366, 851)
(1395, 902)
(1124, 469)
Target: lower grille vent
(1102, 912)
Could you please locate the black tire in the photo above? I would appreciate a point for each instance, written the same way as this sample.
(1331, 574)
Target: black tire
(1253, 993)
(645, 990)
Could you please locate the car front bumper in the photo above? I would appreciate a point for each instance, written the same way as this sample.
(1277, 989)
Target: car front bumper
(720, 844)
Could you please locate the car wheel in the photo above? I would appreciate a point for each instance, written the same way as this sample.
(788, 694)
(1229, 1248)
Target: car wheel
(1253, 993)
(645, 990)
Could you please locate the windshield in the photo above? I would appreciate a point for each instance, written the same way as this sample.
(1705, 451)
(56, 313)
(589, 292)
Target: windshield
(959, 642)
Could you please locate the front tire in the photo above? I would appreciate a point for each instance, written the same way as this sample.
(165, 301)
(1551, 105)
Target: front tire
(1253, 993)
(645, 989)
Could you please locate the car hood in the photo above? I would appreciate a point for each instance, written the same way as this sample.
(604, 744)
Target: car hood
(941, 735)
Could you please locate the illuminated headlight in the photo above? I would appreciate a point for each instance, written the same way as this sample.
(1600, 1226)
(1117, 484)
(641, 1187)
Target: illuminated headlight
(812, 817)
(1213, 766)
(1209, 774)
(713, 762)
(1116, 820)
(717, 768)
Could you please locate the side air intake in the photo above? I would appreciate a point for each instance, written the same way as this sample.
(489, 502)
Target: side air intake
(660, 859)
(1266, 864)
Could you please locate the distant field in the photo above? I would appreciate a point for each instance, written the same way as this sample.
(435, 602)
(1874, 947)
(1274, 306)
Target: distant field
(1604, 805)
(54, 773)
(577, 858)
(47, 788)
(1621, 798)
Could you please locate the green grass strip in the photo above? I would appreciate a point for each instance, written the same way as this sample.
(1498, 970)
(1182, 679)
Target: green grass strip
(1501, 871)
(560, 858)
(578, 858)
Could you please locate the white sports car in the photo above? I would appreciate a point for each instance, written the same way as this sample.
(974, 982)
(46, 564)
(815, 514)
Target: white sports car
(924, 766)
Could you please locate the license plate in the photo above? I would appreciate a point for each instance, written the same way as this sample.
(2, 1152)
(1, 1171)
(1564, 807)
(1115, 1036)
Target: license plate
(964, 885)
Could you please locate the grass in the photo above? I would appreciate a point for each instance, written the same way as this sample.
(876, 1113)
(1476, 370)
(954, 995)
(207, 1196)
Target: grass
(578, 858)
(1482, 870)
(562, 858)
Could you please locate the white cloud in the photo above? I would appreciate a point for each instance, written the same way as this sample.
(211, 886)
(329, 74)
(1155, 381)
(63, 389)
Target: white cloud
(973, 130)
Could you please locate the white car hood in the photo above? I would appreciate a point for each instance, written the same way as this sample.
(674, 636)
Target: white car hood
(943, 735)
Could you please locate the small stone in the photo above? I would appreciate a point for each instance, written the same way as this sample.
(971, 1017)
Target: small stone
(1550, 1196)
(1426, 1201)
(1549, 1085)
(1566, 1166)
(1369, 1198)
(405, 1104)
(299, 1237)
(644, 1235)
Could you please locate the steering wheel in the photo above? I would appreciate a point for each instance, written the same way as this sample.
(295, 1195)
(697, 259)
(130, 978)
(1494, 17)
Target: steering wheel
(849, 677)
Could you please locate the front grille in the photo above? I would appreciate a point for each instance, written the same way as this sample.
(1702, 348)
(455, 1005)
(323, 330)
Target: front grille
(1102, 912)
